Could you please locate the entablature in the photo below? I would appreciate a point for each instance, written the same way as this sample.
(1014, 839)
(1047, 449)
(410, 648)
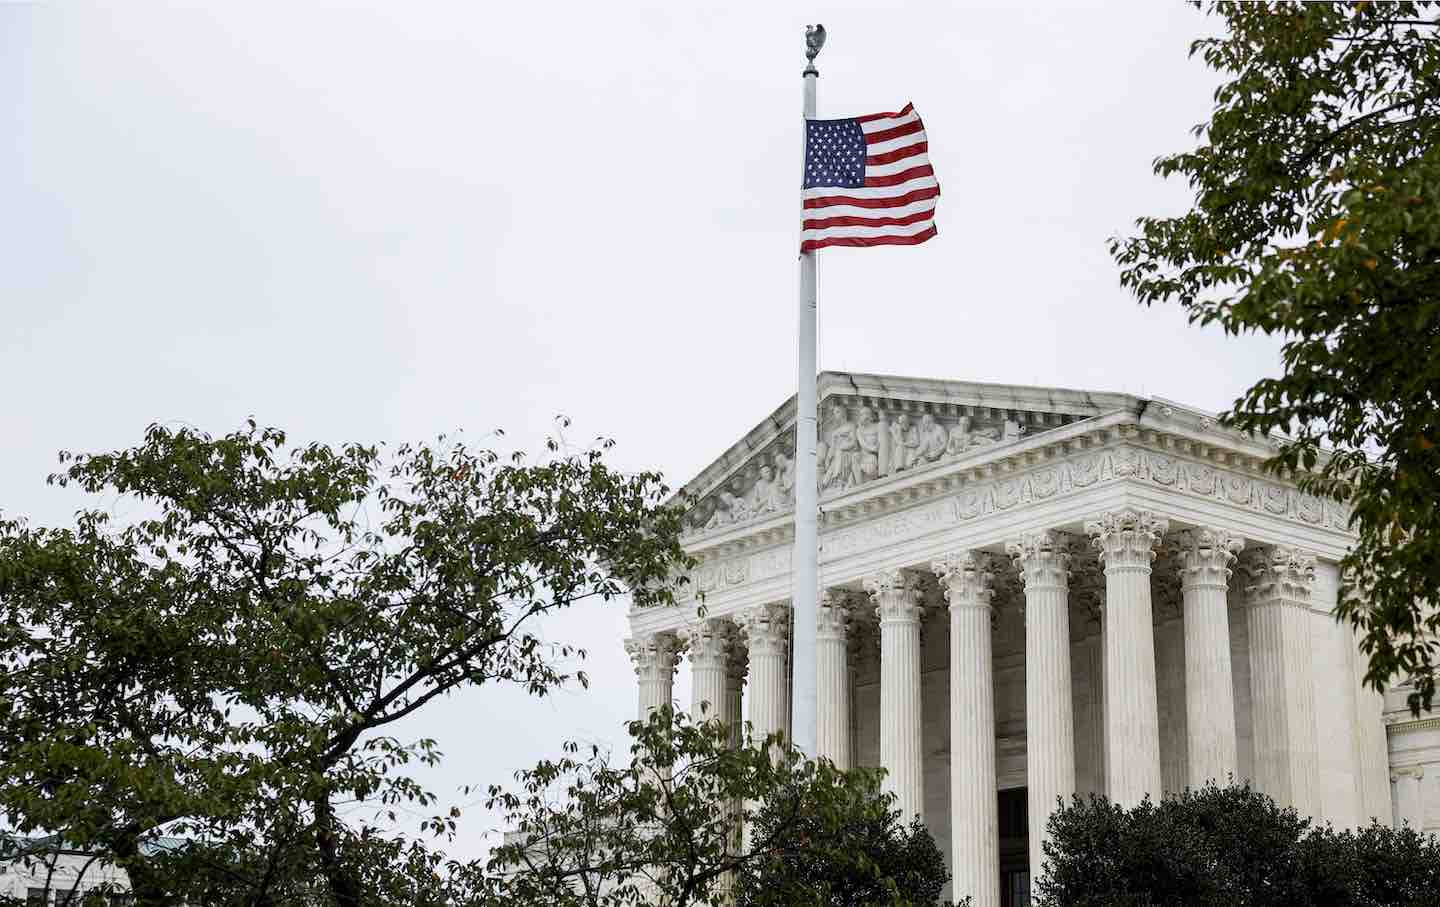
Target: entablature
(1172, 461)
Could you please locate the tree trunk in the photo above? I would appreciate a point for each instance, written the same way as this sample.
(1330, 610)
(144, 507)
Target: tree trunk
(145, 884)
(344, 887)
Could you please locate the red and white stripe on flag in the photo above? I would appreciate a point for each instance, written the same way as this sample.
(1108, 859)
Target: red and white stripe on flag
(868, 182)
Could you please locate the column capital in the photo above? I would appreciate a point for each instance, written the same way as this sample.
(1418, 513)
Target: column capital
(708, 642)
(1204, 556)
(654, 655)
(1126, 537)
(1043, 558)
(1278, 573)
(896, 595)
(766, 628)
(832, 618)
(967, 578)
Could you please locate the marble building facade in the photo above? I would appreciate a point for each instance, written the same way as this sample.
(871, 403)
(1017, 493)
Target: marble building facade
(1032, 592)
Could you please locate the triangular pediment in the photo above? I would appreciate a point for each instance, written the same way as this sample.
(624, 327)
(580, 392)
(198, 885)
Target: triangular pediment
(878, 428)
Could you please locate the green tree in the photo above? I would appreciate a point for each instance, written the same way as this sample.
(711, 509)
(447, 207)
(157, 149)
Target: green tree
(1228, 847)
(1316, 218)
(665, 828)
(869, 858)
(227, 665)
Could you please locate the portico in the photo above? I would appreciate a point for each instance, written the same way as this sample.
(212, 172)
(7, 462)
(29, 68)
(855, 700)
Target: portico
(1030, 593)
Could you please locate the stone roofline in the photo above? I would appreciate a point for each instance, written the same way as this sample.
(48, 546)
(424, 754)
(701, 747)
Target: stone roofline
(1012, 397)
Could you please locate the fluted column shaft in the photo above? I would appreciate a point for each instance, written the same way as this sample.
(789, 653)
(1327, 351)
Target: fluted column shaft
(1126, 542)
(1205, 557)
(1282, 686)
(967, 579)
(897, 603)
(709, 643)
(1170, 699)
(1373, 756)
(832, 676)
(1090, 717)
(654, 657)
(1044, 562)
(766, 629)
(1409, 797)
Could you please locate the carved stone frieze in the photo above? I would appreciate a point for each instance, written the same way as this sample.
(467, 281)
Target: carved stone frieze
(861, 440)
(979, 499)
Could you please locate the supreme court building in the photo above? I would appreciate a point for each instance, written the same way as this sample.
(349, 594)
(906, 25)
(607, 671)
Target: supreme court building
(1033, 592)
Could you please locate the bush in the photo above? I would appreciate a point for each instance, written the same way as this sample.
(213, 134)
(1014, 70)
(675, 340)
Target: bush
(1229, 846)
(871, 860)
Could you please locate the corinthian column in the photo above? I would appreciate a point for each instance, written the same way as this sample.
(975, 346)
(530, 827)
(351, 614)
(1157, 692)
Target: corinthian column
(1044, 562)
(766, 629)
(967, 579)
(832, 687)
(1282, 686)
(709, 643)
(654, 657)
(897, 602)
(1204, 557)
(1126, 542)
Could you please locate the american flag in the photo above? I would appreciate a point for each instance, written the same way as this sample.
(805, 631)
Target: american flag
(868, 182)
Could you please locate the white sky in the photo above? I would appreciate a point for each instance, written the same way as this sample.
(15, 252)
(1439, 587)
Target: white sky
(389, 222)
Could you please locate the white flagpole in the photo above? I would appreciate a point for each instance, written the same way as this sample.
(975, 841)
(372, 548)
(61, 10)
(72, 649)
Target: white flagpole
(805, 592)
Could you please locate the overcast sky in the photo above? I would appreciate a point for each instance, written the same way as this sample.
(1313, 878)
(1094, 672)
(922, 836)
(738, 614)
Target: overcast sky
(384, 223)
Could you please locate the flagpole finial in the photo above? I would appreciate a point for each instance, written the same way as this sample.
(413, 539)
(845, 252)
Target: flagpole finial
(814, 40)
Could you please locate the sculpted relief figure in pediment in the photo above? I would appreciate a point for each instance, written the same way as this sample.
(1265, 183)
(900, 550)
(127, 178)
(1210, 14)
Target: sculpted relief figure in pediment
(858, 443)
(766, 486)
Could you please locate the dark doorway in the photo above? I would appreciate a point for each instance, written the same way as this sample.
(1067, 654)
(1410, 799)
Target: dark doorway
(1014, 849)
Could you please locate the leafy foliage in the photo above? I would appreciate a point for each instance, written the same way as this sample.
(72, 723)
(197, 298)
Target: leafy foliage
(871, 859)
(1317, 218)
(227, 666)
(666, 827)
(1228, 847)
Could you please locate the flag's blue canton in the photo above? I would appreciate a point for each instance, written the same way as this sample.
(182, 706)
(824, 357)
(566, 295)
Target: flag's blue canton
(834, 153)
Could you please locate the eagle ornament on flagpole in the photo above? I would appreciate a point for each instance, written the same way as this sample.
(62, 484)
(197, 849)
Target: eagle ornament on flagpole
(867, 181)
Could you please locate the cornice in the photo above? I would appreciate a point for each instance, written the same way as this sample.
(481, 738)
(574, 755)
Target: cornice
(1412, 727)
(1013, 397)
(1184, 445)
(1028, 403)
